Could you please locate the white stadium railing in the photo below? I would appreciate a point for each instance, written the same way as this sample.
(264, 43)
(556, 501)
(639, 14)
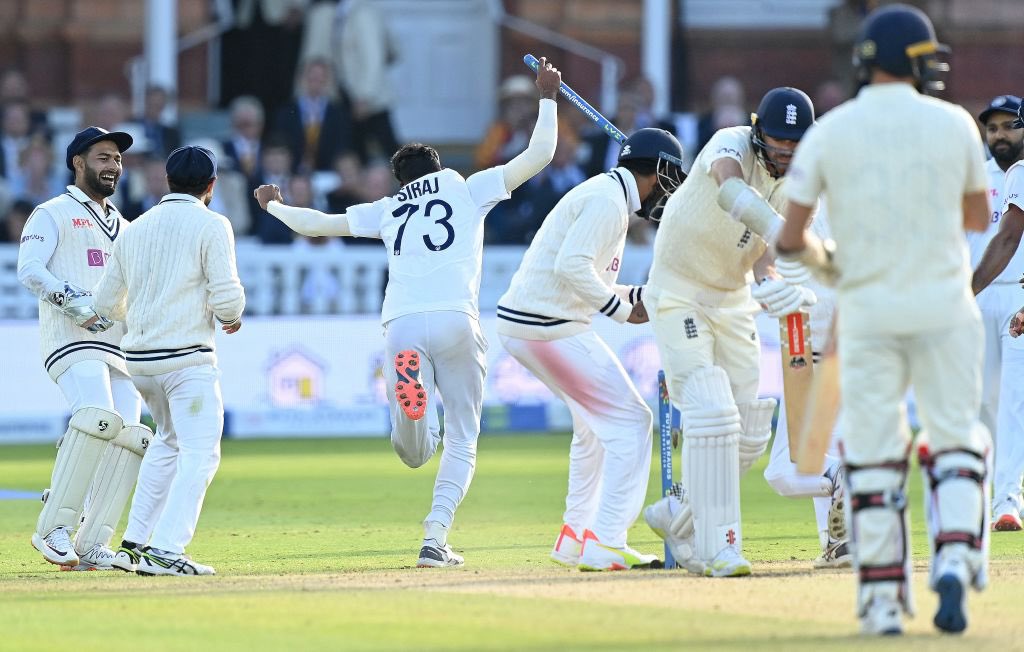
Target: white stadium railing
(341, 280)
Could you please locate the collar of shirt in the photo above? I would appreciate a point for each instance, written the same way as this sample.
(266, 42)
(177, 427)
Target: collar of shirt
(312, 108)
(181, 197)
(632, 192)
(111, 212)
(895, 89)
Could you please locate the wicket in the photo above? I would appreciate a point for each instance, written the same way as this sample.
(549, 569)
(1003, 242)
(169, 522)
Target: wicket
(669, 421)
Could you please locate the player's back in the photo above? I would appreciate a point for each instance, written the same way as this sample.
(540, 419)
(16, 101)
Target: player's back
(433, 232)
(896, 165)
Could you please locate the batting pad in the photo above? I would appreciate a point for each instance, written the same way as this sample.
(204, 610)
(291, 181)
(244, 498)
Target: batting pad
(756, 419)
(711, 470)
(77, 458)
(115, 479)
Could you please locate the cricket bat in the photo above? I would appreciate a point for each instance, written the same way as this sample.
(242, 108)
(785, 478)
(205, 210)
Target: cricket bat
(820, 417)
(797, 372)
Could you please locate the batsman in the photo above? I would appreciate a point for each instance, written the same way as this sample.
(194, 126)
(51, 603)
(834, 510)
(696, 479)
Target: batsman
(699, 300)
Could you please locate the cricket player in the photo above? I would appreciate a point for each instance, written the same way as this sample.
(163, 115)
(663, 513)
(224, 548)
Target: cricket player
(998, 261)
(171, 274)
(433, 230)
(903, 175)
(65, 247)
(699, 299)
(567, 276)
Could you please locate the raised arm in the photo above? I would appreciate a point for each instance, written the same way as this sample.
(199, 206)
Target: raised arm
(301, 220)
(545, 132)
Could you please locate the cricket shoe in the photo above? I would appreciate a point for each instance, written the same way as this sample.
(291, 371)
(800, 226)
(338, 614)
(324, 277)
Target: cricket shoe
(598, 557)
(660, 516)
(835, 555)
(409, 392)
(1006, 517)
(56, 547)
(127, 558)
(153, 561)
(837, 507)
(567, 547)
(435, 556)
(728, 563)
(883, 617)
(953, 575)
(99, 557)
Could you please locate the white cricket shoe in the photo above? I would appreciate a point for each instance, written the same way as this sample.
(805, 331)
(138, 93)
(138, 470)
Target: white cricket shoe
(153, 561)
(435, 556)
(598, 557)
(837, 508)
(882, 618)
(99, 557)
(728, 563)
(567, 547)
(56, 547)
(659, 517)
(127, 559)
(835, 555)
(952, 577)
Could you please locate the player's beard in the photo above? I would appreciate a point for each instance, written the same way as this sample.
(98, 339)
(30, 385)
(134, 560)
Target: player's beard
(1008, 153)
(98, 186)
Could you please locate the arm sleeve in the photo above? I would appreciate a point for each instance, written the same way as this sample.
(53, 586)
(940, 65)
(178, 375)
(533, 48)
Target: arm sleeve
(578, 253)
(308, 221)
(110, 294)
(629, 293)
(224, 290)
(1014, 189)
(726, 143)
(977, 177)
(38, 242)
(540, 150)
(804, 183)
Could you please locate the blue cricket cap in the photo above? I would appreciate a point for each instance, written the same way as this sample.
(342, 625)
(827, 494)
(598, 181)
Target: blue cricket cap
(191, 165)
(89, 136)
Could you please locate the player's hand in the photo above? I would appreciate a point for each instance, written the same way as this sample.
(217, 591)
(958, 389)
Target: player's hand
(232, 327)
(1017, 323)
(638, 314)
(780, 298)
(549, 79)
(266, 194)
(795, 272)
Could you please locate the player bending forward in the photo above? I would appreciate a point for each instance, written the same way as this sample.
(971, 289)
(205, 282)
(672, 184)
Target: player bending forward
(567, 275)
(700, 303)
(433, 230)
(903, 175)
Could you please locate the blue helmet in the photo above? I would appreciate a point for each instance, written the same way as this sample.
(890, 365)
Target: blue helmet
(784, 113)
(900, 40)
(663, 149)
(1019, 122)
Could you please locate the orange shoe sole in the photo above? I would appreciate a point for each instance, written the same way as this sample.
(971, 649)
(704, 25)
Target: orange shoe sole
(1007, 523)
(409, 392)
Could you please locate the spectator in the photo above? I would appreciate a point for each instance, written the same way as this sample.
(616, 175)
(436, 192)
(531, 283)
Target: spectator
(163, 135)
(828, 96)
(320, 291)
(154, 175)
(350, 174)
(15, 219)
(601, 153)
(728, 109)
(364, 53)
(15, 129)
(510, 134)
(317, 126)
(275, 168)
(14, 88)
(37, 180)
(233, 198)
(242, 148)
(109, 111)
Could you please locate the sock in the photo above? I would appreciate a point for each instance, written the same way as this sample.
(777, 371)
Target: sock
(435, 532)
(130, 545)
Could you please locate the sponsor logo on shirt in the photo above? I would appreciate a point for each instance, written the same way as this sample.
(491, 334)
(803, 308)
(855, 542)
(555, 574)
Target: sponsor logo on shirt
(81, 223)
(614, 266)
(32, 236)
(96, 257)
(729, 150)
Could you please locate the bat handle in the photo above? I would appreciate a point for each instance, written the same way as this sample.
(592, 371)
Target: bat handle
(531, 61)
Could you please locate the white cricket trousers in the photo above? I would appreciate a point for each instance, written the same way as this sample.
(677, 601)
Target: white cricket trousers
(610, 454)
(182, 457)
(453, 363)
(1002, 396)
(92, 383)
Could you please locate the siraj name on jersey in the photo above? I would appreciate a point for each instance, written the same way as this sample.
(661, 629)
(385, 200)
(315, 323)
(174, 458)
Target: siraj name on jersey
(418, 188)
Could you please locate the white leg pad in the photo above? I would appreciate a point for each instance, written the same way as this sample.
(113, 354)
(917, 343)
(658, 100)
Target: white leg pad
(114, 481)
(756, 421)
(78, 454)
(711, 432)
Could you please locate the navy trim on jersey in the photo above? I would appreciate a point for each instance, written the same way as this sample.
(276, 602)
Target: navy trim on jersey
(532, 319)
(612, 305)
(151, 355)
(74, 347)
(171, 201)
(618, 177)
(110, 230)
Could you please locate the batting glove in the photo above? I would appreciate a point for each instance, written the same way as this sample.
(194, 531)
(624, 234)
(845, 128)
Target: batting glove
(780, 298)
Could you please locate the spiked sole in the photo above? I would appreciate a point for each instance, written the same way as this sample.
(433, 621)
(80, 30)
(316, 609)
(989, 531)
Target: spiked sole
(409, 392)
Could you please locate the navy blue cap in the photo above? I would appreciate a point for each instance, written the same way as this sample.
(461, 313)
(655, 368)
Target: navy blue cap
(191, 165)
(1005, 103)
(89, 136)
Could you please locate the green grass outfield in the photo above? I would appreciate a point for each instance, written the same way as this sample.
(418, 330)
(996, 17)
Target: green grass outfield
(315, 543)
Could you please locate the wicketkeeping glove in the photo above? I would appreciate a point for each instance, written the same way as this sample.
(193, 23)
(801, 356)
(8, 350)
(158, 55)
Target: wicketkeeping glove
(781, 298)
(76, 303)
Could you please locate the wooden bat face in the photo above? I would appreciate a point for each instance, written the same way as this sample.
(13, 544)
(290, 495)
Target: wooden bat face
(797, 372)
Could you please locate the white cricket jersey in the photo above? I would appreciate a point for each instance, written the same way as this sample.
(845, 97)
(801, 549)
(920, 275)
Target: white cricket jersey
(171, 273)
(700, 251)
(824, 309)
(1014, 191)
(70, 238)
(433, 230)
(977, 242)
(894, 166)
(569, 270)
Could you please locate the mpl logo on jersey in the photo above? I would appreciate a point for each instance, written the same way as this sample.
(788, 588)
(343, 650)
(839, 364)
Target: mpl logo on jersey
(81, 222)
(97, 257)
